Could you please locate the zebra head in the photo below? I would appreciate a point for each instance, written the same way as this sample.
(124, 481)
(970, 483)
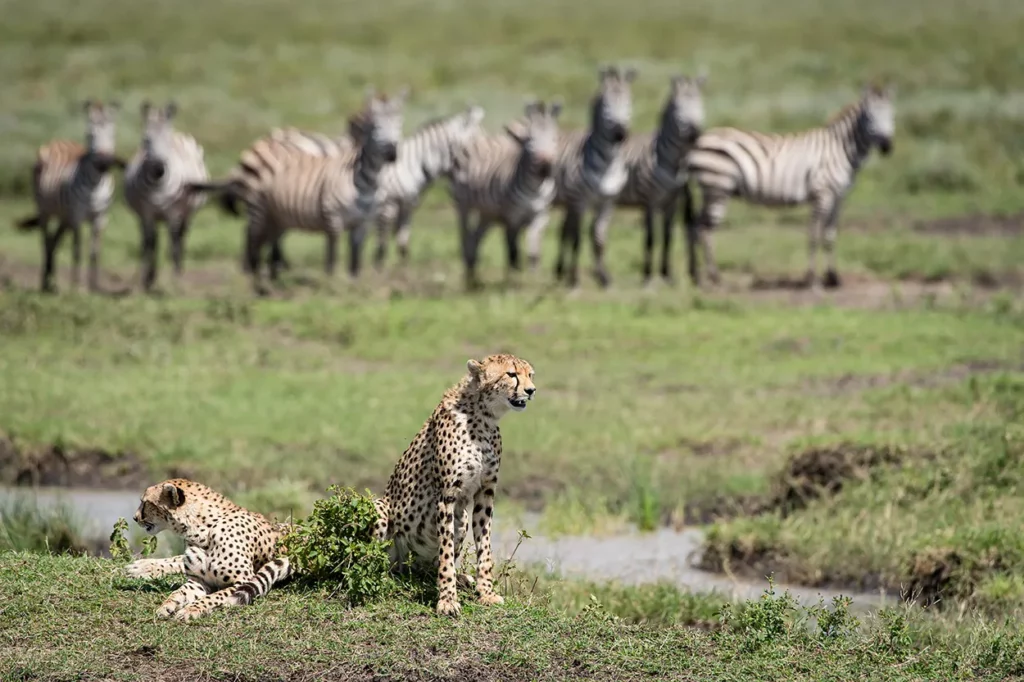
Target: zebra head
(157, 138)
(878, 117)
(611, 111)
(100, 131)
(684, 110)
(538, 136)
(378, 127)
(447, 143)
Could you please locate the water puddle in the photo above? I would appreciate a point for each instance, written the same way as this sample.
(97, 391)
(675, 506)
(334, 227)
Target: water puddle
(628, 558)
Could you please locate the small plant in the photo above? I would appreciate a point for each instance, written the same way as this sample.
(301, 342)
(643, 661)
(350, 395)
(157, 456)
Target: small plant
(149, 545)
(334, 545)
(765, 621)
(836, 624)
(893, 632)
(119, 548)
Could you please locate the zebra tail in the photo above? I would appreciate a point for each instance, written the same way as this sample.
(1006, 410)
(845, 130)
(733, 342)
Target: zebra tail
(272, 572)
(227, 193)
(27, 224)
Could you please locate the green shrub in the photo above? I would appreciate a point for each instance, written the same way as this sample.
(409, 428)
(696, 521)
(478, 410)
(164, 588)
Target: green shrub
(334, 546)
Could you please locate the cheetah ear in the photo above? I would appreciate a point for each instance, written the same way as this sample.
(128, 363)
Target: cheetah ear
(476, 369)
(172, 496)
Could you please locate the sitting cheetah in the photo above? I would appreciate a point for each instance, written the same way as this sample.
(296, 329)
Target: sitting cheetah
(229, 557)
(450, 467)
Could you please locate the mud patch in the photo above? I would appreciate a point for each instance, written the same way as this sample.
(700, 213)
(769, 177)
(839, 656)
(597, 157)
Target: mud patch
(822, 472)
(533, 492)
(944, 574)
(60, 466)
(974, 225)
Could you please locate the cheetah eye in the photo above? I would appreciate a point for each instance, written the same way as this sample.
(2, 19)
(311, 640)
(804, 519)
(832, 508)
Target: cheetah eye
(512, 374)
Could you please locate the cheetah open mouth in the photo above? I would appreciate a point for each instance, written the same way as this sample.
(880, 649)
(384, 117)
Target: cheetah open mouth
(518, 404)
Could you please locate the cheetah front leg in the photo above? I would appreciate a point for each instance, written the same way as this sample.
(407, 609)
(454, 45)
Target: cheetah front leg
(483, 512)
(448, 598)
(191, 591)
(156, 568)
(194, 562)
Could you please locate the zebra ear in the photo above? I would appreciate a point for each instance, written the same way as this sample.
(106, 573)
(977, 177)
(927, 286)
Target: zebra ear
(144, 108)
(474, 114)
(555, 109)
(171, 110)
(629, 75)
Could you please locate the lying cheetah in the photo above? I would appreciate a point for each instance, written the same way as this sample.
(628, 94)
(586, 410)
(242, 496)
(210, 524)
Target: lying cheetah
(450, 467)
(230, 552)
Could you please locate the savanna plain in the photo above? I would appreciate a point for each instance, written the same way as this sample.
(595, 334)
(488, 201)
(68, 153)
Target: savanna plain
(864, 438)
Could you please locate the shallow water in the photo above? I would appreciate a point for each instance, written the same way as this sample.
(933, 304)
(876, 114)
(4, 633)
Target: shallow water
(629, 558)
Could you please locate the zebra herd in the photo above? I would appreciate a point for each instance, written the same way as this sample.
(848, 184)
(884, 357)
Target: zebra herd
(292, 179)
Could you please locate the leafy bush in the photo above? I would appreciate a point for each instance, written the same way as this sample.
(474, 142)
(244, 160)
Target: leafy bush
(334, 545)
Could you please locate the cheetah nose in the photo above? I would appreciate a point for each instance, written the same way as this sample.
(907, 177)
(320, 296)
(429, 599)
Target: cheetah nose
(530, 391)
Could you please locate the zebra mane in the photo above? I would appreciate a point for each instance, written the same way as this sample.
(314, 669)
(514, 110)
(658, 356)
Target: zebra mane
(846, 112)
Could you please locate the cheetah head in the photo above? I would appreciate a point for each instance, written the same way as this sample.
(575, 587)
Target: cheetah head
(505, 382)
(159, 506)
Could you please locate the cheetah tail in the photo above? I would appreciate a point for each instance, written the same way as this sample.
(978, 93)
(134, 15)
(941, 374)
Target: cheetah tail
(272, 572)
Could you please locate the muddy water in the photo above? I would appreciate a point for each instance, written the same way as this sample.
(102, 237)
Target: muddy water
(628, 558)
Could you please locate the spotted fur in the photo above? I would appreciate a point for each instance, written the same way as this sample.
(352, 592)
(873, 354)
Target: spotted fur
(230, 554)
(449, 473)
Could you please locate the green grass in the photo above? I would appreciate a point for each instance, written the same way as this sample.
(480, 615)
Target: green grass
(653, 406)
(292, 635)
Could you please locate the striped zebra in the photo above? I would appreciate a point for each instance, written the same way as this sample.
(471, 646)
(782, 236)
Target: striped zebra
(590, 172)
(155, 185)
(656, 165)
(73, 183)
(328, 194)
(427, 154)
(507, 178)
(816, 166)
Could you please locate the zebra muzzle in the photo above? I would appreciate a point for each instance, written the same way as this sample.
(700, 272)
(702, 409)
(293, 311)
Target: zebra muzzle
(544, 168)
(619, 134)
(885, 146)
(154, 169)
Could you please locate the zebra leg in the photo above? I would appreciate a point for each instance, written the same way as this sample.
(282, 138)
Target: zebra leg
(534, 235)
(465, 239)
(330, 252)
(692, 226)
(403, 230)
(512, 249)
(648, 243)
(382, 242)
(711, 216)
(356, 238)
(475, 240)
(76, 253)
(179, 229)
(598, 240)
(99, 226)
(669, 217)
(564, 241)
(150, 242)
(46, 277)
(830, 231)
(255, 238)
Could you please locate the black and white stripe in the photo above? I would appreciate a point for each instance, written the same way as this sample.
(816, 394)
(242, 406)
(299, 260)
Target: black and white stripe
(816, 166)
(327, 194)
(156, 185)
(590, 172)
(424, 156)
(507, 178)
(656, 165)
(73, 184)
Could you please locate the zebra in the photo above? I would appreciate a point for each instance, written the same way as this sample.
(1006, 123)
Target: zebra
(427, 154)
(656, 164)
(507, 178)
(816, 166)
(156, 185)
(590, 172)
(328, 194)
(73, 183)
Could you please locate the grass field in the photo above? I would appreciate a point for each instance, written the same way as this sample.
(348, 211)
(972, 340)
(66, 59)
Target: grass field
(866, 436)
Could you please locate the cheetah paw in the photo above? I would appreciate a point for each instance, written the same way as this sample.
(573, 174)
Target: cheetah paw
(448, 607)
(141, 568)
(187, 614)
(491, 599)
(166, 610)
